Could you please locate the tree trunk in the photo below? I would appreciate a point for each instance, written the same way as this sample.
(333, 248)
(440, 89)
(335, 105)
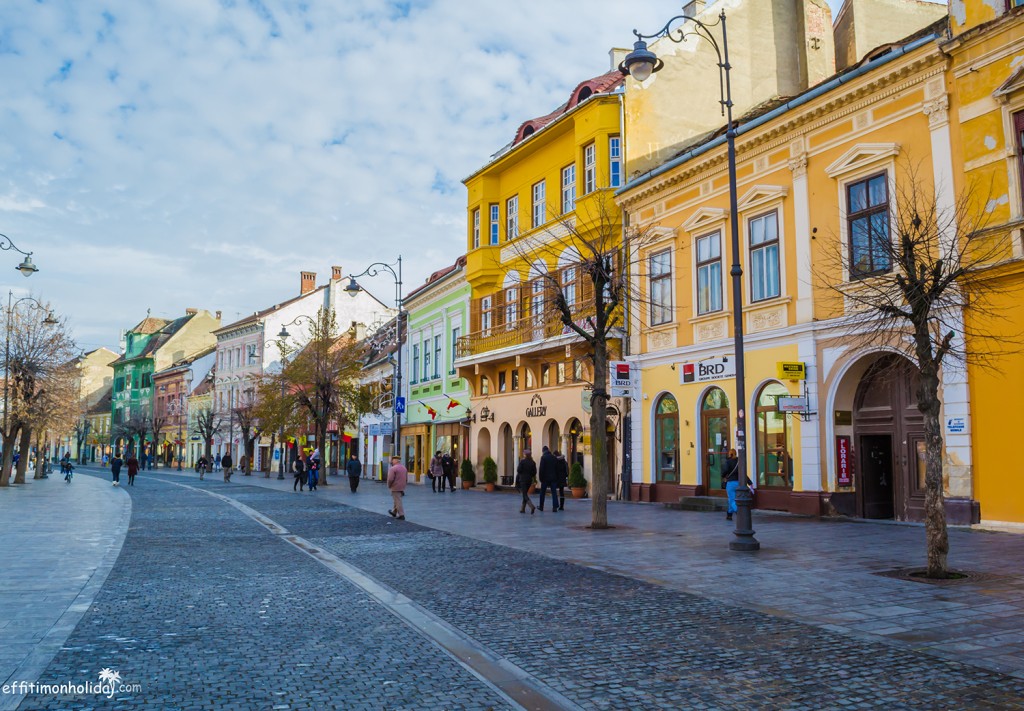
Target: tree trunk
(321, 438)
(8, 461)
(23, 446)
(250, 449)
(936, 535)
(270, 459)
(40, 462)
(599, 438)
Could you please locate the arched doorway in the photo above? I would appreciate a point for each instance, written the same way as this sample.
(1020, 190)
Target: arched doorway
(552, 436)
(666, 440)
(573, 431)
(888, 441)
(714, 428)
(507, 454)
(525, 438)
(483, 446)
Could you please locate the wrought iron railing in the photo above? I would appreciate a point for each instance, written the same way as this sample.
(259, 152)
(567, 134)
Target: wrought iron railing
(528, 329)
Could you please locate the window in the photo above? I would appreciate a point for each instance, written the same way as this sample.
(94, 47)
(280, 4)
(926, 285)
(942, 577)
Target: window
(774, 469)
(476, 228)
(709, 274)
(614, 161)
(537, 301)
(485, 315)
(661, 287)
(485, 385)
(568, 188)
(538, 204)
(495, 223)
(560, 373)
(512, 217)
(764, 257)
(511, 308)
(589, 169)
(250, 354)
(545, 375)
(119, 384)
(867, 206)
(502, 385)
(515, 379)
(569, 286)
(426, 359)
(577, 370)
(415, 362)
(530, 383)
(147, 379)
(437, 356)
(666, 436)
(456, 332)
(1018, 129)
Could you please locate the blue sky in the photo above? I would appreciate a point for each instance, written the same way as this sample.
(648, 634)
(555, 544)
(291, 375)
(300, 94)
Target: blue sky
(200, 153)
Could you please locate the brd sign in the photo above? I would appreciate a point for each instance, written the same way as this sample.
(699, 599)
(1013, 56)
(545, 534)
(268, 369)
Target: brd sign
(708, 369)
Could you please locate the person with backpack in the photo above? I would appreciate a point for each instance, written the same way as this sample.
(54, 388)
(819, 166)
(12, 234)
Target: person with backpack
(448, 467)
(299, 471)
(526, 472)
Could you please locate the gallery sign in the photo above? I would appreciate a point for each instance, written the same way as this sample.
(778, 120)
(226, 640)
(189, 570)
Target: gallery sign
(537, 407)
(708, 369)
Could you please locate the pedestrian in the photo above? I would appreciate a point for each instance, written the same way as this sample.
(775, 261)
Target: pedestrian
(225, 464)
(106, 459)
(65, 463)
(314, 472)
(436, 473)
(563, 479)
(133, 468)
(115, 468)
(448, 468)
(526, 472)
(201, 467)
(216, 463)
(731, 477)
(398, 477)
(299, 470)
(548, 477)
(243, 465)
(149, 461)
(355, 471)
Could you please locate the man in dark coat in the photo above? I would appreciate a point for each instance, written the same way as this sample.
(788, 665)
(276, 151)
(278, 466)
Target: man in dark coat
(355, 470)
(226, 464)
(548, 478)
(448, 468)
(115, 468)
(526, 472)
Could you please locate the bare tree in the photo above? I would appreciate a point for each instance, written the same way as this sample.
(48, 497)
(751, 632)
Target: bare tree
(134, 428)
(207, 424)
(907, 289)
(40, 351)
(590, 290)
(248, 417)
(156, 426)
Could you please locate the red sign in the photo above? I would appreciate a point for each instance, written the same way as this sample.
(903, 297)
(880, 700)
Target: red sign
(844, 467)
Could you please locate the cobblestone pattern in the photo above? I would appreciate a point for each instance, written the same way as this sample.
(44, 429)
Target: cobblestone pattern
(611, 642)
(206, 610)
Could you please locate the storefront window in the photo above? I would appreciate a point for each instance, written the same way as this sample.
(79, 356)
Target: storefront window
(666, 427)
(774, 466)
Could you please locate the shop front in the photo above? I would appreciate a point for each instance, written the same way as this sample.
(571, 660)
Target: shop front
(531, 420)
(416, 450)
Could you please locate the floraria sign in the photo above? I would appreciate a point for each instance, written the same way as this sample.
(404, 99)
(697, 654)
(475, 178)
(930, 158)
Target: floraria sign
(537, 407)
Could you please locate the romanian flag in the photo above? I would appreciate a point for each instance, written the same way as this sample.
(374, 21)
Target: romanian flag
(452, 402)
(430, 411)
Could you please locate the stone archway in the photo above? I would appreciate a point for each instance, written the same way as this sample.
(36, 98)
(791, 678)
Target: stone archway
(506, 454)
(552, 436)
(483, 446)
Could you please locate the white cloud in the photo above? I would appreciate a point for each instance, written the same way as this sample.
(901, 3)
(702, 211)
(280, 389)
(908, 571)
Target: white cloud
(182, 153)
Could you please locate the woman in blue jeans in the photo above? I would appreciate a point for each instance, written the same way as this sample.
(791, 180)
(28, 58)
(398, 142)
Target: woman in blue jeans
(731, 476)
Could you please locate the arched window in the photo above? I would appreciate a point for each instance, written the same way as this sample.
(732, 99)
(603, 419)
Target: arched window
(666, 439)
(714, 425)
(774, 467)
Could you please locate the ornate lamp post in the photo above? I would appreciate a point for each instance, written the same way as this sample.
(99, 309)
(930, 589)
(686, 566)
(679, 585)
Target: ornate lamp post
(640, 64)
(282, 346)
(27, 268)
(11, 304)
(353, 288)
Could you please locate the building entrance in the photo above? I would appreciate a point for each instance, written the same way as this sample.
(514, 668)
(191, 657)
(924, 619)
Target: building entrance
(876, 480)
(714, 421)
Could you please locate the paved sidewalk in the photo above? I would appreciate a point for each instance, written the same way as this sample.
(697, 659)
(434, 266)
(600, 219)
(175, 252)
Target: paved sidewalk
(819, 572)
(60, 542)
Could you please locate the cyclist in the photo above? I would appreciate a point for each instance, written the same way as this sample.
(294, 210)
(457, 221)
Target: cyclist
(69, 469)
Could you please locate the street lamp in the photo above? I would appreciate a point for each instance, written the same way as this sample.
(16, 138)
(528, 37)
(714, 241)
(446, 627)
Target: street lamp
(27, 268)
(353, 288)
(282, 346)
(640, 64)
(48, 321)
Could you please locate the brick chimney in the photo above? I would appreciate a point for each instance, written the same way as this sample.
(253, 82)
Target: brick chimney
(307, 282)
(217, 316)
(335, 273)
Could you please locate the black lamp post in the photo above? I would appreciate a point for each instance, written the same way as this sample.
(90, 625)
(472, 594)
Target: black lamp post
(640, 64)
(27, 268)
(48, 321)
(353, 288)
(282, 346)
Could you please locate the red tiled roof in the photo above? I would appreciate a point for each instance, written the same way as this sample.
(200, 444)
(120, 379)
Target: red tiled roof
(438, 275)
(150, 324)
(585, 89)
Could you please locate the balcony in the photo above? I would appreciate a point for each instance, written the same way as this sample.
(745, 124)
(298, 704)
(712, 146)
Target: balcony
(522, 331)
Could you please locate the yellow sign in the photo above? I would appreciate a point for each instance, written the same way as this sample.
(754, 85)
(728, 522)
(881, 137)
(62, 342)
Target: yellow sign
(792, 371)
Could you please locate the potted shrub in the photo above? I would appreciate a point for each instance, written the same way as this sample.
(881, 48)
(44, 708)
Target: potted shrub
(490, 473)
(467, 474)
(577, 482)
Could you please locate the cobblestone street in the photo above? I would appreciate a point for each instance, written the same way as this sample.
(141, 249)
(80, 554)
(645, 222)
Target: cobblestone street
(242, 596)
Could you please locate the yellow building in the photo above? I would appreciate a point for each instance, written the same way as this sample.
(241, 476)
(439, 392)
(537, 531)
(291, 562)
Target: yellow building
(831, 416)
(527, 373)
(986, 85)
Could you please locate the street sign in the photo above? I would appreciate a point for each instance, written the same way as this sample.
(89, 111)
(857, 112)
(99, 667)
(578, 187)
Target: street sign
(399, 404)
(792, 404)
(387, 429)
